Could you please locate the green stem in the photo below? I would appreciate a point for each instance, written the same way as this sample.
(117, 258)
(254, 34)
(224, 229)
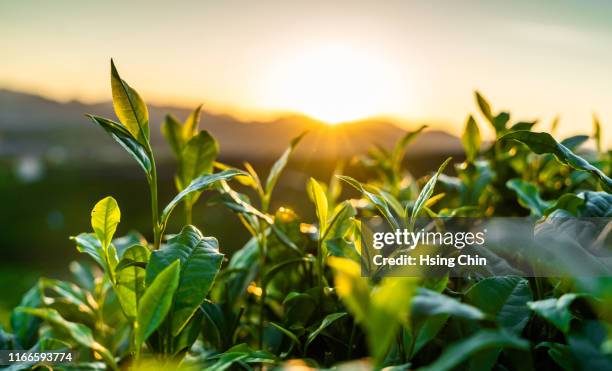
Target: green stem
(262, 284)
(320, 272)
(157, 230)
(188, 212)
(135, 347)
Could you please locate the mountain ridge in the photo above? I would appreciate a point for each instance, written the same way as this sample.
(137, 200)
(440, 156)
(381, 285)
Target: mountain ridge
(31, 124)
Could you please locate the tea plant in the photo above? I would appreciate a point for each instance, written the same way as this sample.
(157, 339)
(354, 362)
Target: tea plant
(294, 294)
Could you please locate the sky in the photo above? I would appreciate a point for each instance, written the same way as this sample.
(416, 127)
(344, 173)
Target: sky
(415, 61)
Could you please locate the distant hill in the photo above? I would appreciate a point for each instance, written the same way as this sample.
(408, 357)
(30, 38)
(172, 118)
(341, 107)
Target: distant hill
(33, 125)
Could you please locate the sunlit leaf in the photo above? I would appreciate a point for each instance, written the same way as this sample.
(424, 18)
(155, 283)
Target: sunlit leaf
(471, 139)
(105, 217)
(542, 143)
(172, 131)
(426, 193)
(129, 107)
(278, 167)
(130, 285)
(199, 184)
(190, 127)
(197, 157)
(400, 147)
(320, 200)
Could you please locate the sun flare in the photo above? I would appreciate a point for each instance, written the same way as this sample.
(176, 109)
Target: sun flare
(333, 83)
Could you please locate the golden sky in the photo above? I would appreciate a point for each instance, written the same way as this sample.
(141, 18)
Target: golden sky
(333, 60)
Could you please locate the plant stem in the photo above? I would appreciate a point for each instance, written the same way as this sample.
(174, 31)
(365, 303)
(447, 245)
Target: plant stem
(262, 284)
(188, 212)
(157, 232)
(320, 272)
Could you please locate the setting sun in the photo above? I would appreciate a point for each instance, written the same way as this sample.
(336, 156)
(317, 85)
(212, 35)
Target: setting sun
(333, 83)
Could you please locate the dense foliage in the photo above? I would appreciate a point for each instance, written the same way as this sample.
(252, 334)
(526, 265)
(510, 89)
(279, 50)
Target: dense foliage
(293, 294)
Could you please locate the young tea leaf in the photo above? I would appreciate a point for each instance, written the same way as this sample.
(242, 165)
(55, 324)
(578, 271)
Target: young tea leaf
(130, 285)
(105, 217)
(426, 193)
(278, 167)
(199, 184)
(197, 157)
(320, 200)
(129, 107)
(471, 139)
(542, 143)
(172, 130)
(400, 147)
(190, 127)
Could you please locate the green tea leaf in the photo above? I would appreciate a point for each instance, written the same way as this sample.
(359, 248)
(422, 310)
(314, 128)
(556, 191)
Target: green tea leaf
(25, 326)
(471, 139)
(279, 165)
(528, 196)
(458, 352)
(556, 311)
(431, 303)
(504, 298)
(89, 244)
(200, 263)
(80, 333)
(290, 335)
(523, 126)
(541, 143)
(105, 217)
(326, 322)
(199, 184)
(126, 140)
(374, 197)
(172, 130)
(130, 284)
(340, 221)
(484, 106)
(156, 302)
(190, 127)
(400, 147)
(198, 157)
(320, 200)
(129, 107)
(426, 193)
(597, 133)
(575, 141)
